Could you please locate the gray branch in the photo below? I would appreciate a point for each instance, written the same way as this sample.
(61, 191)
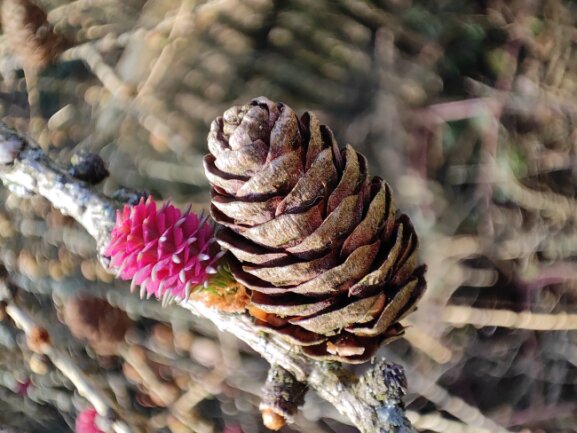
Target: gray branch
(373, 402)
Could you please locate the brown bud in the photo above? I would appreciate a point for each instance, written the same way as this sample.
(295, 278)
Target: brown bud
(88, 167)
(38, 364)
(38, 339)
(272, 420)
(281, 397)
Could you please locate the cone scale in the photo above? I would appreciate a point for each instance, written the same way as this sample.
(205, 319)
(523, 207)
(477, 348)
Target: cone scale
(329, 262)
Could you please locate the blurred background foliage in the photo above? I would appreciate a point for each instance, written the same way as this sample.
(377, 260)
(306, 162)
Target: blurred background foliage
(467, 108)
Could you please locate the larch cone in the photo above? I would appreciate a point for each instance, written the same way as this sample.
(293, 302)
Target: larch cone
(164, 251)
(329, 262)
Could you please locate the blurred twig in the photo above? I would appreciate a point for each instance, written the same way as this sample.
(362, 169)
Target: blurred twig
(464, 315)
(437, 423)
(62, 361)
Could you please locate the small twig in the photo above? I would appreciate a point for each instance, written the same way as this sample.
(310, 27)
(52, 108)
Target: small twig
(134, 357)
(101, 69)
(452, 404)
(463, 315)
(426, 343)
(196, 392)
(183, 408)
(557, 205)
(436, 422)
(36, 121)
(444, 112)
(31, 170)
(125, 93)
(545, 275)
(165, 59)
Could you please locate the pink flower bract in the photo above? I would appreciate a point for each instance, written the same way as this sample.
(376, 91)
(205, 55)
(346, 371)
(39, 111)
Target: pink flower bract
(86, 422)
(163, 251)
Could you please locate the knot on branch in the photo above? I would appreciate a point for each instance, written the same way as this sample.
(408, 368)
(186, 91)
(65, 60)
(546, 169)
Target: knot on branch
(282, 396)
(384, 382)
(384, 386)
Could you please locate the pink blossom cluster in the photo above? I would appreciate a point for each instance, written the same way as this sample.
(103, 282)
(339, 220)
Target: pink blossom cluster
(86, 422)
(164, 251)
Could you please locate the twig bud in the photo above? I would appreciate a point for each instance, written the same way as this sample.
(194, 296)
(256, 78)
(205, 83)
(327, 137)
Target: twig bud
(38, 339)
(281, 397)
(272, 420)
(88, 167)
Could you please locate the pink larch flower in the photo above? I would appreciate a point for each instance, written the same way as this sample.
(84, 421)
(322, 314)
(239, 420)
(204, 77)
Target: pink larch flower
(165, 252)
(23, 387)
(86, 422)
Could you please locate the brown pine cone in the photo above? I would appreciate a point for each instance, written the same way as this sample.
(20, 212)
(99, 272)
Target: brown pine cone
(29, 34)
(330, 264)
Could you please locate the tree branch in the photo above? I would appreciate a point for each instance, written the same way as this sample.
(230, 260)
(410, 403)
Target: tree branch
(32, 172)
(373, 403)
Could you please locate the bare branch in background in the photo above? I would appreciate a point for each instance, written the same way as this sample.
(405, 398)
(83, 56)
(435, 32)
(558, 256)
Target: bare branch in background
(39, 341)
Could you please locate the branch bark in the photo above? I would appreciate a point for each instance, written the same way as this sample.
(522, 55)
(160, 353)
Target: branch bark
(373, 402)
